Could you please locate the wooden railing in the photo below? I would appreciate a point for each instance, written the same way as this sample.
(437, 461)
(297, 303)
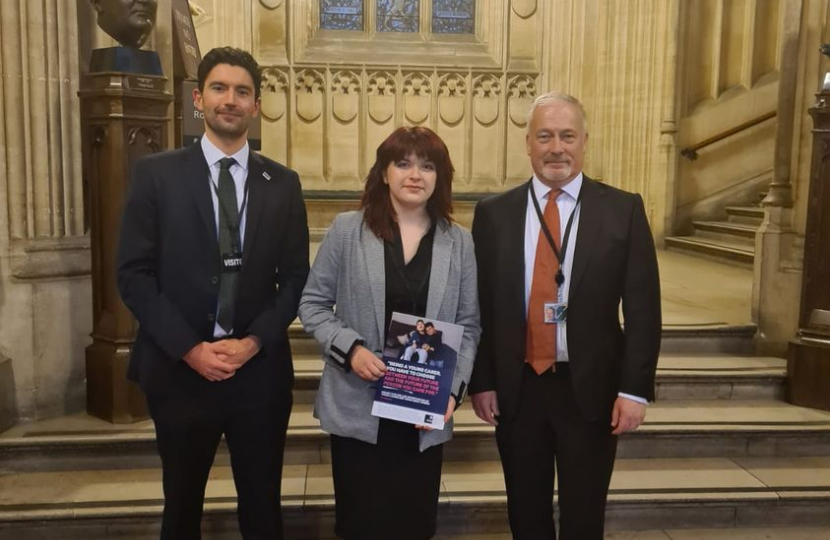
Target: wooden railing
(691, 151)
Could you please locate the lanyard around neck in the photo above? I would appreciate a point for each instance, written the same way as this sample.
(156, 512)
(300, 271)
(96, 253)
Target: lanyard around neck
(560, 253)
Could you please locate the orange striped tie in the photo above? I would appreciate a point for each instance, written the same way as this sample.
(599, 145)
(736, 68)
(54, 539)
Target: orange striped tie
(541, 337)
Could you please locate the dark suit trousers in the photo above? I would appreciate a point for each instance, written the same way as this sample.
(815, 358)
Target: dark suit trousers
(549, 430)
(188, 431)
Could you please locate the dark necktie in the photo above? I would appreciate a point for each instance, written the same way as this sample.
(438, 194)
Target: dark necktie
(541, 337)
(229, 241)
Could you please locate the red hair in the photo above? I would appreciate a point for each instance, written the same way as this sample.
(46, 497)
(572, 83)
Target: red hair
(376, 203)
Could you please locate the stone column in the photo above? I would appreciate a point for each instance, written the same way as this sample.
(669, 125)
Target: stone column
(777, 279)
(44, 253)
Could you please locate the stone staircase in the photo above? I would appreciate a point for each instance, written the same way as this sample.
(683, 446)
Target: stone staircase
(720, 449)
(732, 240)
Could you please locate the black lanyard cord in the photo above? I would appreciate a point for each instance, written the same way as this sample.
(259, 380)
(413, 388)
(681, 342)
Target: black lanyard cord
(560, 254)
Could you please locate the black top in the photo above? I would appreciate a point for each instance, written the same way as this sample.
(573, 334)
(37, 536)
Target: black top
(407, 285)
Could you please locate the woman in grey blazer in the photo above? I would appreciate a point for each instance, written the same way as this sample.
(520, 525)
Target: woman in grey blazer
(399, 252)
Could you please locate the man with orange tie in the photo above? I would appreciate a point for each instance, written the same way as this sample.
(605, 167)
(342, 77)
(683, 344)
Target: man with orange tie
(556, 373)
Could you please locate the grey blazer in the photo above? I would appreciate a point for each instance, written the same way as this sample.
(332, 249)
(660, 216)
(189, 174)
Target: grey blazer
(348, 273)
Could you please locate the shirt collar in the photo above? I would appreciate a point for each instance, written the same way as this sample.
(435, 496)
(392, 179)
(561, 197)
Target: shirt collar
(213, 154)
(572, 188)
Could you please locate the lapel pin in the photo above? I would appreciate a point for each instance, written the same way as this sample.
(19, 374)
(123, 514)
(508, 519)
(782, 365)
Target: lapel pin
(266, 175)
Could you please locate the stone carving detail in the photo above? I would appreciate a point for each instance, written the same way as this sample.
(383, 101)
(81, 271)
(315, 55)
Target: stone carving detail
(309, 85)
(271, 4)
(452, 93)
(274, 90)
(382, 91)
(417, 93)
(521, 91)
(486, 98)
(144, 138)
(199, 14)
(345, 90)
(524, 8)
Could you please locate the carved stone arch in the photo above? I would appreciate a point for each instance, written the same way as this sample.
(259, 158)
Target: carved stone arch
(274, 93)
(382, 90)
(524, 8)
(452, 97)
(521, 91)
(345, 95)
(487, 91)
(417, 96)
(308, 87)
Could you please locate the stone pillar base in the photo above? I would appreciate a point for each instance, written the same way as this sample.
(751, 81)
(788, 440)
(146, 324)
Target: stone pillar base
(8, 411)
(808, 374)
(110, 396)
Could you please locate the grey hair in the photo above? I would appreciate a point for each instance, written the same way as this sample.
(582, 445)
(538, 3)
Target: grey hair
(547, 98)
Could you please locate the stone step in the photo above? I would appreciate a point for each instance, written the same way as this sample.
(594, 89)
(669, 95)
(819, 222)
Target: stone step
(644, 494)
(678, 377)
(750, 215)
(712, 249)
(695, 339)
(725, 230)
(673, 428)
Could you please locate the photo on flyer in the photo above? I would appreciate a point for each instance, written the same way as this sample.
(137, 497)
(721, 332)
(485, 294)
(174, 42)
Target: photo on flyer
(420, 356)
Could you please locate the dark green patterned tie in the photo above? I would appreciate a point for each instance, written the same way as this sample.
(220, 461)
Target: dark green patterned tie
(228, 240)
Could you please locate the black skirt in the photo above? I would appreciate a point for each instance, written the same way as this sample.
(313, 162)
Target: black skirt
(387, 490)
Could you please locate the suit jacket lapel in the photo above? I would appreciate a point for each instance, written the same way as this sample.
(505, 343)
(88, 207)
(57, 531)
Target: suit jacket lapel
(256, 201)
(373, 253)
(198, 174)
(590, 221)
(516, 210)
(440, 269)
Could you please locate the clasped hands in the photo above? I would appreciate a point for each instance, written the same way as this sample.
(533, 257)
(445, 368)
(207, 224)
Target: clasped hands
(369, 367)
(218, 361)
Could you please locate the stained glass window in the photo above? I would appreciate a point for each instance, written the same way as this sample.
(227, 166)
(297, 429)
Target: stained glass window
(341, 15)
(453, 16)
(398, 15)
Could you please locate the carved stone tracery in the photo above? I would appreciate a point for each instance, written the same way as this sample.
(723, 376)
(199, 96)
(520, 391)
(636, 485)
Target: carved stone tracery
(274, 90)
(345, 89)
(382, 91)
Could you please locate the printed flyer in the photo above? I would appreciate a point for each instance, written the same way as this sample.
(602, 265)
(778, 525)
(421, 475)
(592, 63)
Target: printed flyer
(420, 356)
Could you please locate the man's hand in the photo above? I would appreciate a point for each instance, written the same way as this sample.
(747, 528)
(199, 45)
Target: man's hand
(486, 406)
(627, 415)
(366, 365)
(447, 415)
(204, 360)
(236, 352)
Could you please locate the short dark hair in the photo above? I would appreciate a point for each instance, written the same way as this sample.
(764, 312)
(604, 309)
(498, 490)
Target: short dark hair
(376, 204)
(429, 325)
(231, 56)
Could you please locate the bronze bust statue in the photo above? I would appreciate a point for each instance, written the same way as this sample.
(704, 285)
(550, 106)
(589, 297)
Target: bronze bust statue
(128, 21)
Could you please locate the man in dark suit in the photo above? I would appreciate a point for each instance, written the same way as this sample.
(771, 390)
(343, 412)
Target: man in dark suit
(212, 259)
(555, 372)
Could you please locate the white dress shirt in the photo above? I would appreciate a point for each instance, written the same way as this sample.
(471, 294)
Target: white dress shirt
(239, 172)
(567, 205)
